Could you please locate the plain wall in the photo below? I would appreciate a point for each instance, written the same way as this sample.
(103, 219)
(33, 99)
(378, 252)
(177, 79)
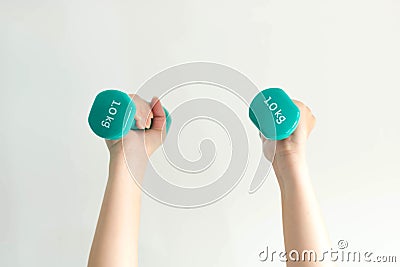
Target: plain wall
(340, 57)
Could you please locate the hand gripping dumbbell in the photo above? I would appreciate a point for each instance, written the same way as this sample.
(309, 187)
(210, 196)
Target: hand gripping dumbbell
(274, 114)
(112, 115)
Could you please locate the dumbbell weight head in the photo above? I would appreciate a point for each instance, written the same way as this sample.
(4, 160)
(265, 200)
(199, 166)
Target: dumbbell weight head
(112, 115)
(274, 114)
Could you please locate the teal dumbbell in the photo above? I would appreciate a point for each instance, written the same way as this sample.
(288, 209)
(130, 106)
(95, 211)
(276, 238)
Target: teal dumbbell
(274, 114)
(112, 115)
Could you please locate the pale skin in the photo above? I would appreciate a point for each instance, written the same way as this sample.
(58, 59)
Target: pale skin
(115, 242)
(303, 226)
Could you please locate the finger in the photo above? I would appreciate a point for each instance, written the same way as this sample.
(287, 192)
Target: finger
(139, 122)
(158, 122)
(148, 121)
(138, 119)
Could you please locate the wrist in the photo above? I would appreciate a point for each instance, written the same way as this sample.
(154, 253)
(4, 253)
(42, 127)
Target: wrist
(122, 158)
(116, 154)
(122, 170)
(286, 161)
(291, 170)
(117, 164)
(128, 163)
(119, 153)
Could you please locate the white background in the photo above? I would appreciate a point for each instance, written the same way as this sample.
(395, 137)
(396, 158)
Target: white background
(340, 57)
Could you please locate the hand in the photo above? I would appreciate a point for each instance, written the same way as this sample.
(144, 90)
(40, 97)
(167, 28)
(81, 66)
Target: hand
(143, 141)
(293, 146)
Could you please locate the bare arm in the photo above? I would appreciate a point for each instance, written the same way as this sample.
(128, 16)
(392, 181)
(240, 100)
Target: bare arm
(303, 226)
(116, 238)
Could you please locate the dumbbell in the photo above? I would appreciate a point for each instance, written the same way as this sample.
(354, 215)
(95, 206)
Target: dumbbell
(112, 115)
(274, 114)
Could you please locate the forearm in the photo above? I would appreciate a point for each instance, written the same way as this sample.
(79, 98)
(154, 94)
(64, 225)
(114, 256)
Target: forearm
(116, 237)
(303, 225)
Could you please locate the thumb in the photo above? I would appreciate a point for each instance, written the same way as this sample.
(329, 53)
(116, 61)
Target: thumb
(158, 122)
